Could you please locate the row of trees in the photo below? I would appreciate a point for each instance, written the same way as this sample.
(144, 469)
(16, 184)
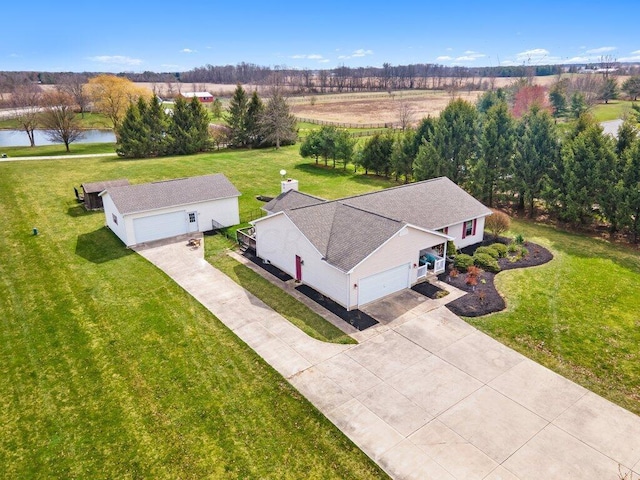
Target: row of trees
(148, 131)
(584, 177)
(252, 123)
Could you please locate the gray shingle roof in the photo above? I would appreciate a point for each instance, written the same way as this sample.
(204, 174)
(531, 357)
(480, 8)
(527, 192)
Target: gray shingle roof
(344, 235)
(291, 199)
(97, 187)
(431, 204)
(170, 193)
(347, 230)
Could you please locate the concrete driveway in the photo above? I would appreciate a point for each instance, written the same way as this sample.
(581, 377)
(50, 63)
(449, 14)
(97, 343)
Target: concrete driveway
(427, 396)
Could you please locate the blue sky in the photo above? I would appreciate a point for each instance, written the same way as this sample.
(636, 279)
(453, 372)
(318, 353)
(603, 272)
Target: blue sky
(120, 36)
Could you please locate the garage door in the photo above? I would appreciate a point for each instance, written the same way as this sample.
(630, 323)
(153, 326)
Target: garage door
(156, 227)
(383, 283)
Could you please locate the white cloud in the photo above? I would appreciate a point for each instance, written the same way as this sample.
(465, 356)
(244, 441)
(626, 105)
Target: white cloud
(116, 60)
(187, 50)
(636, 52)
(448, 49)
(578, 60)
(361, 52)
(635, 58)
(537, 53)
(14, 55)
(470, 56)
(313, 56)
(601, 50)
(443, 58)
(324, 60)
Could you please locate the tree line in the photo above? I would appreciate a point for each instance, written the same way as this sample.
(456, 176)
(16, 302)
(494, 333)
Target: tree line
(582, 177)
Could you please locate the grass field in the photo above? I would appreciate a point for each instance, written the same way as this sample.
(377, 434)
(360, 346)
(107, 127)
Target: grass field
(611, 111)
(109, 370)
(59, 150)
(579, 314)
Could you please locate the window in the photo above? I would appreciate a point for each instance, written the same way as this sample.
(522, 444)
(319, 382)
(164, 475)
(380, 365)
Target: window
(115, 219)
(469, 228)
(192, 218)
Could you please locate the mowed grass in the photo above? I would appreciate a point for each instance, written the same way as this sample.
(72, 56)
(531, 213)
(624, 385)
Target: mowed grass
(216, 253)
(579, 314)
(59, 150)
(613, 110)
(109, 370)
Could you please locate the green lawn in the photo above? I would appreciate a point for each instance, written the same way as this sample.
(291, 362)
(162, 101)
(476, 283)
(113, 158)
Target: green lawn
(611, 111)
(88, 120)
(58, 149)
(110, 370)
(578, 315)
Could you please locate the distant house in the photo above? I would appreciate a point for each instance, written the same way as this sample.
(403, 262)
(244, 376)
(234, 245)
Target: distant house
(204, 97)
(158, 210)
(92, 199)
(358, 249)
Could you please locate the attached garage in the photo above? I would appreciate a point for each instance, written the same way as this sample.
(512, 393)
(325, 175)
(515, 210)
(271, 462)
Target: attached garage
(384, 283)
(154, 211)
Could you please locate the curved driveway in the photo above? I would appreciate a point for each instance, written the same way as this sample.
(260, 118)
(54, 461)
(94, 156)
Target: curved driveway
(427, 396)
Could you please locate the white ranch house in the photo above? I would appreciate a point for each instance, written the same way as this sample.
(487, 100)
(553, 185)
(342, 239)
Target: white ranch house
(358, 249)
(158, 210)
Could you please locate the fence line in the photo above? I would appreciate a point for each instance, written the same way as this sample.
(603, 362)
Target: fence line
(345, 124)
(252, 214)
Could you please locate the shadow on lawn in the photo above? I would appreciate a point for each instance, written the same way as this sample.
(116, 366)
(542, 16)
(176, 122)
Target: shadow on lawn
(101, 246)
(80, 211)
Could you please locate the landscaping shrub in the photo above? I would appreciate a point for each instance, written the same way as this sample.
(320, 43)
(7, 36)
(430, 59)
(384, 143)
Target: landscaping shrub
(451, 248)
(486, 262)
(463, 261)
(513, 247)
(519, 239)
(497, 223)
(487, 251)
(501, 248)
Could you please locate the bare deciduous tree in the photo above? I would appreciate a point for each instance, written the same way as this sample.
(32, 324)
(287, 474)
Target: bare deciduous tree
(26, 102)
(59, 119)
(405, 115)
(74, 86)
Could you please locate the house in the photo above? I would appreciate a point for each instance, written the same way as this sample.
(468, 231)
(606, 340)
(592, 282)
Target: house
(359, 249)
(92, 199)
(153, 211)
(204, 97)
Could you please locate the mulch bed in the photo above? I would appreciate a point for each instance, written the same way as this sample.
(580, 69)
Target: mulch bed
(276, 272)
(429, 290)
(356, 318)
(484, 298)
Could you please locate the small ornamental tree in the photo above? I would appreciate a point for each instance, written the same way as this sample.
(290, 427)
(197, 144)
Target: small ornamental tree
(497, 223)
(528, 96)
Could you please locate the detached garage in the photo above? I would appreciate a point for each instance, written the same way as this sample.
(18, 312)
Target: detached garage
(154, 211)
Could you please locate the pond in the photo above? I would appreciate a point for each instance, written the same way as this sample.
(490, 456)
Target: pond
(19, 138)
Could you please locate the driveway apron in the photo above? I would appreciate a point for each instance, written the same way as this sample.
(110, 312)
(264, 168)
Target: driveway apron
(428, 396)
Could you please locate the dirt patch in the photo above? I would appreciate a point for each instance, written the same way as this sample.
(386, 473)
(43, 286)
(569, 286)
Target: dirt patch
(377, 109)
(484, 298)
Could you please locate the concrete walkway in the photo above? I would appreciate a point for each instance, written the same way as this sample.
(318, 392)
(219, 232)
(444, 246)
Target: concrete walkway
(426, 395)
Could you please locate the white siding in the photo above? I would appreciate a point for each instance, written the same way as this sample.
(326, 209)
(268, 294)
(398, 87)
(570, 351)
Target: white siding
(455, 231)
(224, 211)
(279, 241)
(109, 211)
(399, 250)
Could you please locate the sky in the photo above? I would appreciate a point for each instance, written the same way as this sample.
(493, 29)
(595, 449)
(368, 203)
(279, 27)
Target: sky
(160, 36)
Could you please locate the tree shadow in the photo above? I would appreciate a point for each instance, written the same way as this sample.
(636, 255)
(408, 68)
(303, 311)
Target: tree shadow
(101, 246)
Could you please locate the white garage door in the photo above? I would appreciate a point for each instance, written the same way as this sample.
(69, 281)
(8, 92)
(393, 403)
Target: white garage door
(156, 227)
(383, 283)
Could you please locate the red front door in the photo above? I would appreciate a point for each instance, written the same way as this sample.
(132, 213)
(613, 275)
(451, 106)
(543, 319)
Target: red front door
(298, 268)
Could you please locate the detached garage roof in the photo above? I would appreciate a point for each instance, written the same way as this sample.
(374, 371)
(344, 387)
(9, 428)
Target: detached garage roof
(97, 187)
(171, 193)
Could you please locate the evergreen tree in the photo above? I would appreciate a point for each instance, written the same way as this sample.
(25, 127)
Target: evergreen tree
(312, 145)
(537, 152)
(558, 98)
(157, 124)
(255, 110)
(578, 104)
(495, 160)
(631, 87)
(179, 127)
(199, 128)
(376, 153)
(133, 133)
(489, 99)
(276, 124)
(609, 90)
(237, 118)
(403, 155)
(630, 215)
(345, 146)
(627, 135)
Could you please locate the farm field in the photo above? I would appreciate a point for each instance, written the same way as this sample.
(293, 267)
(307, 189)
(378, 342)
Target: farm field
(110, 370)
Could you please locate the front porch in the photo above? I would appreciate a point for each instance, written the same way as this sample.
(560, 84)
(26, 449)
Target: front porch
(246, 238)
(432, 261)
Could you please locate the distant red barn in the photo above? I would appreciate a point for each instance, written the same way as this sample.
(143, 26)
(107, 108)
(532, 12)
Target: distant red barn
(204, 97)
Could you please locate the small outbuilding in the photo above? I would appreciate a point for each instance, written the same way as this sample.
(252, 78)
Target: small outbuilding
(158, 210)
(204, 97)
(92, 199)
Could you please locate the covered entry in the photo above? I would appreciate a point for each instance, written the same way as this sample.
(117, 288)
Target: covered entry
(382, 284)
(160, 226)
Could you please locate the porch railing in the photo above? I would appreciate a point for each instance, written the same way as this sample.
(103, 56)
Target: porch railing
(439, 266)
(244, 238)
(422, 271)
